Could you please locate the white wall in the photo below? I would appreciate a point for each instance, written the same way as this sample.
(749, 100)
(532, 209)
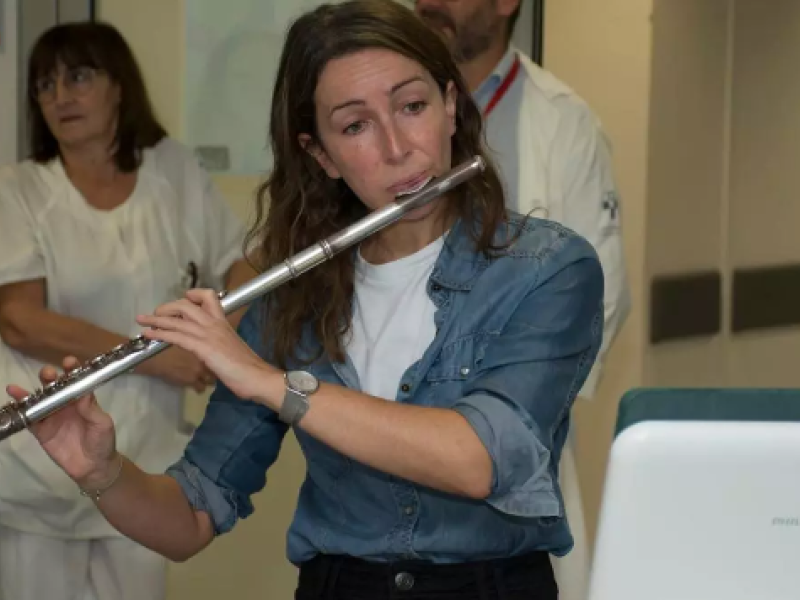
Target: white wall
(763, 209)
(687, 169)
(603, 51)
(723, 173)
(9, 111)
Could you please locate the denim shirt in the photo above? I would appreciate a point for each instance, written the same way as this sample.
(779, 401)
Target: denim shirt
(517, 333)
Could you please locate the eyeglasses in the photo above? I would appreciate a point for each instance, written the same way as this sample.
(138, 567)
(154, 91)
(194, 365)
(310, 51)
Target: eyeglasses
(77, 80)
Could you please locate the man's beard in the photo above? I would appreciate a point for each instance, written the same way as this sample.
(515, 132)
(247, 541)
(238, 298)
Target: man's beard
(465, 42)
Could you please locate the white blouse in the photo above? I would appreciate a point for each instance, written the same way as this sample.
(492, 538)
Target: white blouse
(106, 267)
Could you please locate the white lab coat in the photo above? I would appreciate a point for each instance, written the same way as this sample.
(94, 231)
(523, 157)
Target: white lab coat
(556, 164)
(105, 267)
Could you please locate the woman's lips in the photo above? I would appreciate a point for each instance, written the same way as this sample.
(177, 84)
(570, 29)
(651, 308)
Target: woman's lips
(412, 186)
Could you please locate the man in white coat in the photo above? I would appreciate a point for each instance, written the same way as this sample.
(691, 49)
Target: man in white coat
(556, 163)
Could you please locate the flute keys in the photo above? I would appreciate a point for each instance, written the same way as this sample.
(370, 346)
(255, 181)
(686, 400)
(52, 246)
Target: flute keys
(33, 398)
(79, 372)
(119, 351)
(138, 343)
(30, 399)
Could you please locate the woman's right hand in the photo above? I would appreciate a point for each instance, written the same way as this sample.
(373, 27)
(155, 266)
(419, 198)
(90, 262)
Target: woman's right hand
(80, 437)
(178, 367)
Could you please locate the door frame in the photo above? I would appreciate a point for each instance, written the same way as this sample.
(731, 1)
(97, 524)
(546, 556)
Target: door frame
(537, 42)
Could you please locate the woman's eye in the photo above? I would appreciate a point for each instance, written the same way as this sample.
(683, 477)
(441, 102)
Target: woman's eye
(354, 128)
(416, 107)
(45, 85)
(80, 74)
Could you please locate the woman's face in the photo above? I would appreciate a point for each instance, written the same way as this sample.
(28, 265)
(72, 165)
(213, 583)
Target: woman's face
(79, 104)
(384, 126)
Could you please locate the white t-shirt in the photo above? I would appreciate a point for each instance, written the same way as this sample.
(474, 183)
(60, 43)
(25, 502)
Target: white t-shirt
(105, 267)
(392, 319)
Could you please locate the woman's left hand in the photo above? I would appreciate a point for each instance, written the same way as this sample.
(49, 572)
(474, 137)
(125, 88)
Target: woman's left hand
(198, 324)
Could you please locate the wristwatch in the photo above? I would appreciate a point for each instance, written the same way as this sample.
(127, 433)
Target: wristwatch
(299, 386)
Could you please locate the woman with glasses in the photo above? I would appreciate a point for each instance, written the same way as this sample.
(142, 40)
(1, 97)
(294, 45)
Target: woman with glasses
(107, 218)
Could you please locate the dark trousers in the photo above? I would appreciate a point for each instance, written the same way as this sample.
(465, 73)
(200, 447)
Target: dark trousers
(528, 577)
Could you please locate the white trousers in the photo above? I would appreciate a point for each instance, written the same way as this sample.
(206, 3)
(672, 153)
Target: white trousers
(573, 570)
(34, 567)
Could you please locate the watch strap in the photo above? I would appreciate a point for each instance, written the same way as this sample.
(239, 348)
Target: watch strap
(294, 407)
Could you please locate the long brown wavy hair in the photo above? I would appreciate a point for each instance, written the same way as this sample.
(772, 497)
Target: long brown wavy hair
(299, 204)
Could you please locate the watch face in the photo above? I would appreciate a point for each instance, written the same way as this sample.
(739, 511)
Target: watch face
(301, 381)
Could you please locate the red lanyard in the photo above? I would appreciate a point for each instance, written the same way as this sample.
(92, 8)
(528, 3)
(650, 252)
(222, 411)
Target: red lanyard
(501, 91)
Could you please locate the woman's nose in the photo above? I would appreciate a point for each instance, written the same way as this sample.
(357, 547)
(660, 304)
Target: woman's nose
(396, 143)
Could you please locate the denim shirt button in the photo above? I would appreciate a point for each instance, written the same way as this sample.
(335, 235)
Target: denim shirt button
(409, 510)
(436, 287)
(405, 388)
(465, 371)
(404, 581)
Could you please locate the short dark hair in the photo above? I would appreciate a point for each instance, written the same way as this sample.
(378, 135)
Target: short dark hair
(512, 20)
(99, 46)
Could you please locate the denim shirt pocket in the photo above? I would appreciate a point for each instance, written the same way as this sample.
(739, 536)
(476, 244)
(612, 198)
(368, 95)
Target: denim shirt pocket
(456, 363)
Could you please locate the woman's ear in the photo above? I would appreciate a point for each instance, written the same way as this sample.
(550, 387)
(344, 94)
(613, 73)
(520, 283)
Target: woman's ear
(313, 147)
(451, 105)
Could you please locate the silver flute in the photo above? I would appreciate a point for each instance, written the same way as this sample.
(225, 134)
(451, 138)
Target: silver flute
(19, 415)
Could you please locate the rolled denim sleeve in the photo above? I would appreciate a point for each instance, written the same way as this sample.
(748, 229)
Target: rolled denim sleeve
(228, 457)
(519, 402)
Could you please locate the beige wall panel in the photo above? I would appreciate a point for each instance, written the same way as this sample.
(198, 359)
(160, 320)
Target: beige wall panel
(602, 50)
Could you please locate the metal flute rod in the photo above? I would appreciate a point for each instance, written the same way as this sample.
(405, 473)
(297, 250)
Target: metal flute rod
(18, 415)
